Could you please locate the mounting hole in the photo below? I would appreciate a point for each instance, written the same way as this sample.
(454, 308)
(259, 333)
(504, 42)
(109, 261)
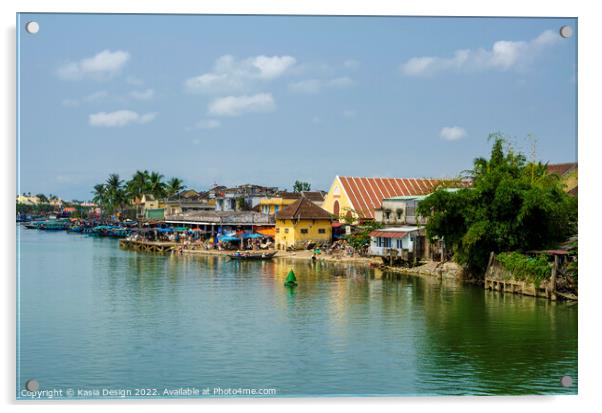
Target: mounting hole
(566, 381)
(32, 27)
(32, 385)
(566, 31)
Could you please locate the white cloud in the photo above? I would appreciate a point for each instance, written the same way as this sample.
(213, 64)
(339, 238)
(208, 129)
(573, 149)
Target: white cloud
(313, 86)
(208, 124)
(351, 63)
(96, 96)
(309, 86)
(503, 55)
(237, 105)
(134, 81)
(103, 65)
(120, 118)
(231, 75)
(70, 103)
(147, 94)
(452, 133)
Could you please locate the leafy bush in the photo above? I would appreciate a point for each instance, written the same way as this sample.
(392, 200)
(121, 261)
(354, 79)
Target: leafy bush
(524, 267)
(513, 205)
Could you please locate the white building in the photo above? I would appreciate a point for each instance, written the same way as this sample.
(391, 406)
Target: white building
(393, 241)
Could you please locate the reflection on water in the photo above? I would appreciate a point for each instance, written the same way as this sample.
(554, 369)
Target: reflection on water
(93, 315)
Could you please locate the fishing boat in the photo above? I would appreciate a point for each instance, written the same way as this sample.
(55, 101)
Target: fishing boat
(247, 256)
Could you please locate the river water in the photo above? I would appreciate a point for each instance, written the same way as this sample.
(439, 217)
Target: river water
(94, 317)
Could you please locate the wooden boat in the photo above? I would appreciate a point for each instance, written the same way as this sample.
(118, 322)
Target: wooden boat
(248, 256)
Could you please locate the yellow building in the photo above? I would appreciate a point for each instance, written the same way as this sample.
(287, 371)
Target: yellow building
(301, 223)
(273, 205)
(357, 197)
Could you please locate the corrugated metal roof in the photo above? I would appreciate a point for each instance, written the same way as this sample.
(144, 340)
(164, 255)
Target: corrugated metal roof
(388, 234)
(366, 194)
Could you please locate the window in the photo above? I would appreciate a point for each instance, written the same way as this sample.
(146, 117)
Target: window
(304, 230)
(286, 230)
(277, 230)
(399, 244)
(321, 231)
(387, 242)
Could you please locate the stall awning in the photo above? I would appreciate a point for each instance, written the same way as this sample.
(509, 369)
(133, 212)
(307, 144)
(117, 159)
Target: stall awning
(388, 234)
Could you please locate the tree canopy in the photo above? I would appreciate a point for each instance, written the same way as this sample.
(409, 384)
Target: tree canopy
(301, 186)
(513, 205)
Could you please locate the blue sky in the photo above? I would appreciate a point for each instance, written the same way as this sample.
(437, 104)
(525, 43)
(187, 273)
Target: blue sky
(268, 100)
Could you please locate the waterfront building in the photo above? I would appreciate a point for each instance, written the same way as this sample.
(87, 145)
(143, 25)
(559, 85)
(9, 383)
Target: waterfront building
(152, 208)
(217, 222)
(405, 243)
(302, 223)
(356, 198)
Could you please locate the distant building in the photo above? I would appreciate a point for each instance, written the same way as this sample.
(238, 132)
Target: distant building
(273, 204)
(28, 200)
(301, 223)
(188, 201)
(357, 197)
(240, 198)
(568, 173)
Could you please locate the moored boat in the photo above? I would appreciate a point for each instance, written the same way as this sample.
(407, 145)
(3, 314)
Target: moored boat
(247, 256)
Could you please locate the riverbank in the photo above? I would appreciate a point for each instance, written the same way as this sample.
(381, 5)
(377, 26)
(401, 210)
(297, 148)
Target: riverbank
(447, 270)
(301, 255)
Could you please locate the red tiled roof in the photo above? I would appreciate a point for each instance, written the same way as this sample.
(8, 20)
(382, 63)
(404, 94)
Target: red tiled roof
(561, 168)
(303, 208)
(366, 194)
(388, 234)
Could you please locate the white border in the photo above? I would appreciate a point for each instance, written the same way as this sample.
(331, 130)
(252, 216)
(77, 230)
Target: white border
(590, 33)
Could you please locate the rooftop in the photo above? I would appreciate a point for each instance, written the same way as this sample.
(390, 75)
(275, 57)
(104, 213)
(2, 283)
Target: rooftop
(303, 208)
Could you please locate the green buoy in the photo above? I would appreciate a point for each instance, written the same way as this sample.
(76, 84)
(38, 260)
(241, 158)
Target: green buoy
(291, 280)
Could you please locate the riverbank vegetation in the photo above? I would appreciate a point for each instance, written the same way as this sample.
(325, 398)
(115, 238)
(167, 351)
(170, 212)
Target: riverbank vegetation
(512, 205)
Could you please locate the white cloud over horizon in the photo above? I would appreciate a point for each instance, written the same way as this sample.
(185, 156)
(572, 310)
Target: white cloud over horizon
(452, 133)
(208, 124)
(146, 94)
(232, 75)
(313, 86)
(103, 65)
(503, 55)
(120, 118)
(238, 105)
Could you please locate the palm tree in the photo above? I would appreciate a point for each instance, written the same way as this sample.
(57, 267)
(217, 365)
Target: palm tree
(100, 196)
(136, 187)
(117, 198)
(156, 186)
(174, 186)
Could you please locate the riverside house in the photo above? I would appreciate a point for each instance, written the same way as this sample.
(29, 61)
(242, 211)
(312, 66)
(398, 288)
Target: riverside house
(302, 223)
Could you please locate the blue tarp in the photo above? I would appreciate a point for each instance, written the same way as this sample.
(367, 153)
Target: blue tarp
(227, 238)
(251, 235)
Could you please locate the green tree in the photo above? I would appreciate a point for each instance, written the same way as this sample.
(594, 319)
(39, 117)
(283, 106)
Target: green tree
(115, 193)
(156, 186)
(300, 186)
(99, 196)
(42, 198)
(513, 205)
(174, 186)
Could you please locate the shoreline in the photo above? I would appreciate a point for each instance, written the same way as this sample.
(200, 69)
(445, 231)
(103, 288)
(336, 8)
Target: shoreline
(301, 255)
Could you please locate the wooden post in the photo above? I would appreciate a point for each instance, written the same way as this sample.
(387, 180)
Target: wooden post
(552, 292)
